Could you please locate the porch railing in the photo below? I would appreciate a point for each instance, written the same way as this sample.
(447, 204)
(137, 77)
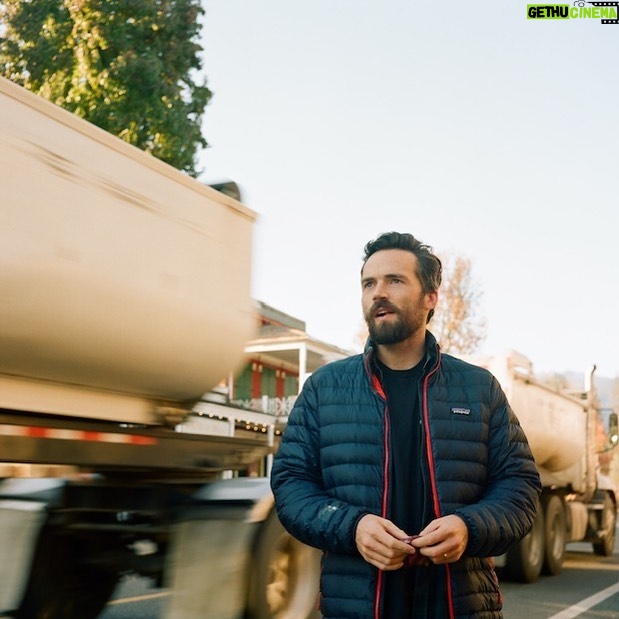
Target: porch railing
(278, 407)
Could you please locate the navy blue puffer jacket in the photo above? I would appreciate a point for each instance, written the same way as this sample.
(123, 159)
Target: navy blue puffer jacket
(332, 468)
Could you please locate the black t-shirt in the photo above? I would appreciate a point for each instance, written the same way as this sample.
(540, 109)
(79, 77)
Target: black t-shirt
(402, 388)
(406, 486)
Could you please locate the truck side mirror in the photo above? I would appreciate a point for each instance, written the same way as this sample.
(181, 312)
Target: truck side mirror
(613, 428)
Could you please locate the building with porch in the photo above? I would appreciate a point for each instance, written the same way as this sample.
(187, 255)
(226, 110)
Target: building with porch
(259, 397)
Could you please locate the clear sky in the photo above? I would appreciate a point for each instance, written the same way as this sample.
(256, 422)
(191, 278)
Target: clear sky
(480, 131)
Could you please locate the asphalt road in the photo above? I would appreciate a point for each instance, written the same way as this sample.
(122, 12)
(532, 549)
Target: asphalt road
(587, 588)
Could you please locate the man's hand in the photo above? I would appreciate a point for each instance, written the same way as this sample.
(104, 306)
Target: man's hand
(444, 540)
(380, 542)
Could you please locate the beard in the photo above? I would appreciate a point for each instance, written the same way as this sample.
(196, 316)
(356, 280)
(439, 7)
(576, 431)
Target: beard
(393, 331)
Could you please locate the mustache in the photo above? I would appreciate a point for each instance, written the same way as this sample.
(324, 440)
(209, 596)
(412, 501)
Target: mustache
(383, 304)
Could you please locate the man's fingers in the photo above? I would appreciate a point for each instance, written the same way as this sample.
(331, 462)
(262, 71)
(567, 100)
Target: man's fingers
(444, 540)
(380, 542)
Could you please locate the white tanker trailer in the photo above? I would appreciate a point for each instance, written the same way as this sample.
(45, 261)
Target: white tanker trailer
(125, 296)
(578, 504)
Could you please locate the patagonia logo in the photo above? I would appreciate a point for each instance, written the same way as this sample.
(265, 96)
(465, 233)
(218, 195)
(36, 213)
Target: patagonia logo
(459, 410)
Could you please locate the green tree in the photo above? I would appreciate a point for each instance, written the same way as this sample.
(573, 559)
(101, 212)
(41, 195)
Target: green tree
(128, 66)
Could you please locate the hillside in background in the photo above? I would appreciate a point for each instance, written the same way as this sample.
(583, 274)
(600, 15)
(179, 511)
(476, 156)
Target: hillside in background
(603, 384)
(605, 392)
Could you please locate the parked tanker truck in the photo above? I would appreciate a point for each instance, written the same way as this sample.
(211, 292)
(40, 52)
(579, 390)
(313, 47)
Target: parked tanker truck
(124, 297)
(578, 503)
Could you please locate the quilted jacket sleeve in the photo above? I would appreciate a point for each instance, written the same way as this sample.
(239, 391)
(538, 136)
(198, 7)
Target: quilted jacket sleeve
(304, 507)
(505, 513)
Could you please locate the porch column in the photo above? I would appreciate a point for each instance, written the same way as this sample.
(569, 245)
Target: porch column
(302, 365)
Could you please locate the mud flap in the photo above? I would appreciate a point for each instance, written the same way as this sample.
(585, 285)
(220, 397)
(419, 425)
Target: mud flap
(206, 569)
(20, 525)
(210, 552)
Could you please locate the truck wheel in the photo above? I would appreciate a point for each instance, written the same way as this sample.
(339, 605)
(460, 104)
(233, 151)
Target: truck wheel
(61, 585)
(524, 561)
(606, 546)
(555, 534)
(284, 575)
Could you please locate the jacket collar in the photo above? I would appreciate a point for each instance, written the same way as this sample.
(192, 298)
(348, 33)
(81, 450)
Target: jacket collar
(432, 354)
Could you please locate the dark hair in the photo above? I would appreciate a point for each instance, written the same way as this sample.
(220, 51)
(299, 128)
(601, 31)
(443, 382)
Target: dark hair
(429, 267)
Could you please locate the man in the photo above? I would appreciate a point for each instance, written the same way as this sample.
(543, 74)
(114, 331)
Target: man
(406, 466)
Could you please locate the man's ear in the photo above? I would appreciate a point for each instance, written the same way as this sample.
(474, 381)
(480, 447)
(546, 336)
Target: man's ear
(431, 299)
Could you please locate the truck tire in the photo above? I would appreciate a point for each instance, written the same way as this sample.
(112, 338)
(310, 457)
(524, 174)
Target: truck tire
(61, 585)
(524, 561)
(284, 575)
(606, 546)
(555, 534)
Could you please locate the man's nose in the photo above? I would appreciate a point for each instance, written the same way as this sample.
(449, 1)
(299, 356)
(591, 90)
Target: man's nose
(380, 291)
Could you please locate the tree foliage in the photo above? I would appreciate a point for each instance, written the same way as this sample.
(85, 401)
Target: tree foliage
(127, 66)
(456, 324)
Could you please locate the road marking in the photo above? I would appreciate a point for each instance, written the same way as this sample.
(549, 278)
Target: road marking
(138, 598)
(587, 603)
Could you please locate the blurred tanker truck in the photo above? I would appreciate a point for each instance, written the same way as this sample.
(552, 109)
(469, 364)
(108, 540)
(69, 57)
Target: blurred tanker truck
(578, 503)
(125, 296)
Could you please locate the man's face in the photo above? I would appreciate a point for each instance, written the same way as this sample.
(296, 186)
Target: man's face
(394, 304)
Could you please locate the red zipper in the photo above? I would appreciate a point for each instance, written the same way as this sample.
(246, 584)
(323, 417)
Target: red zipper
(379, 390)
(435, 500)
